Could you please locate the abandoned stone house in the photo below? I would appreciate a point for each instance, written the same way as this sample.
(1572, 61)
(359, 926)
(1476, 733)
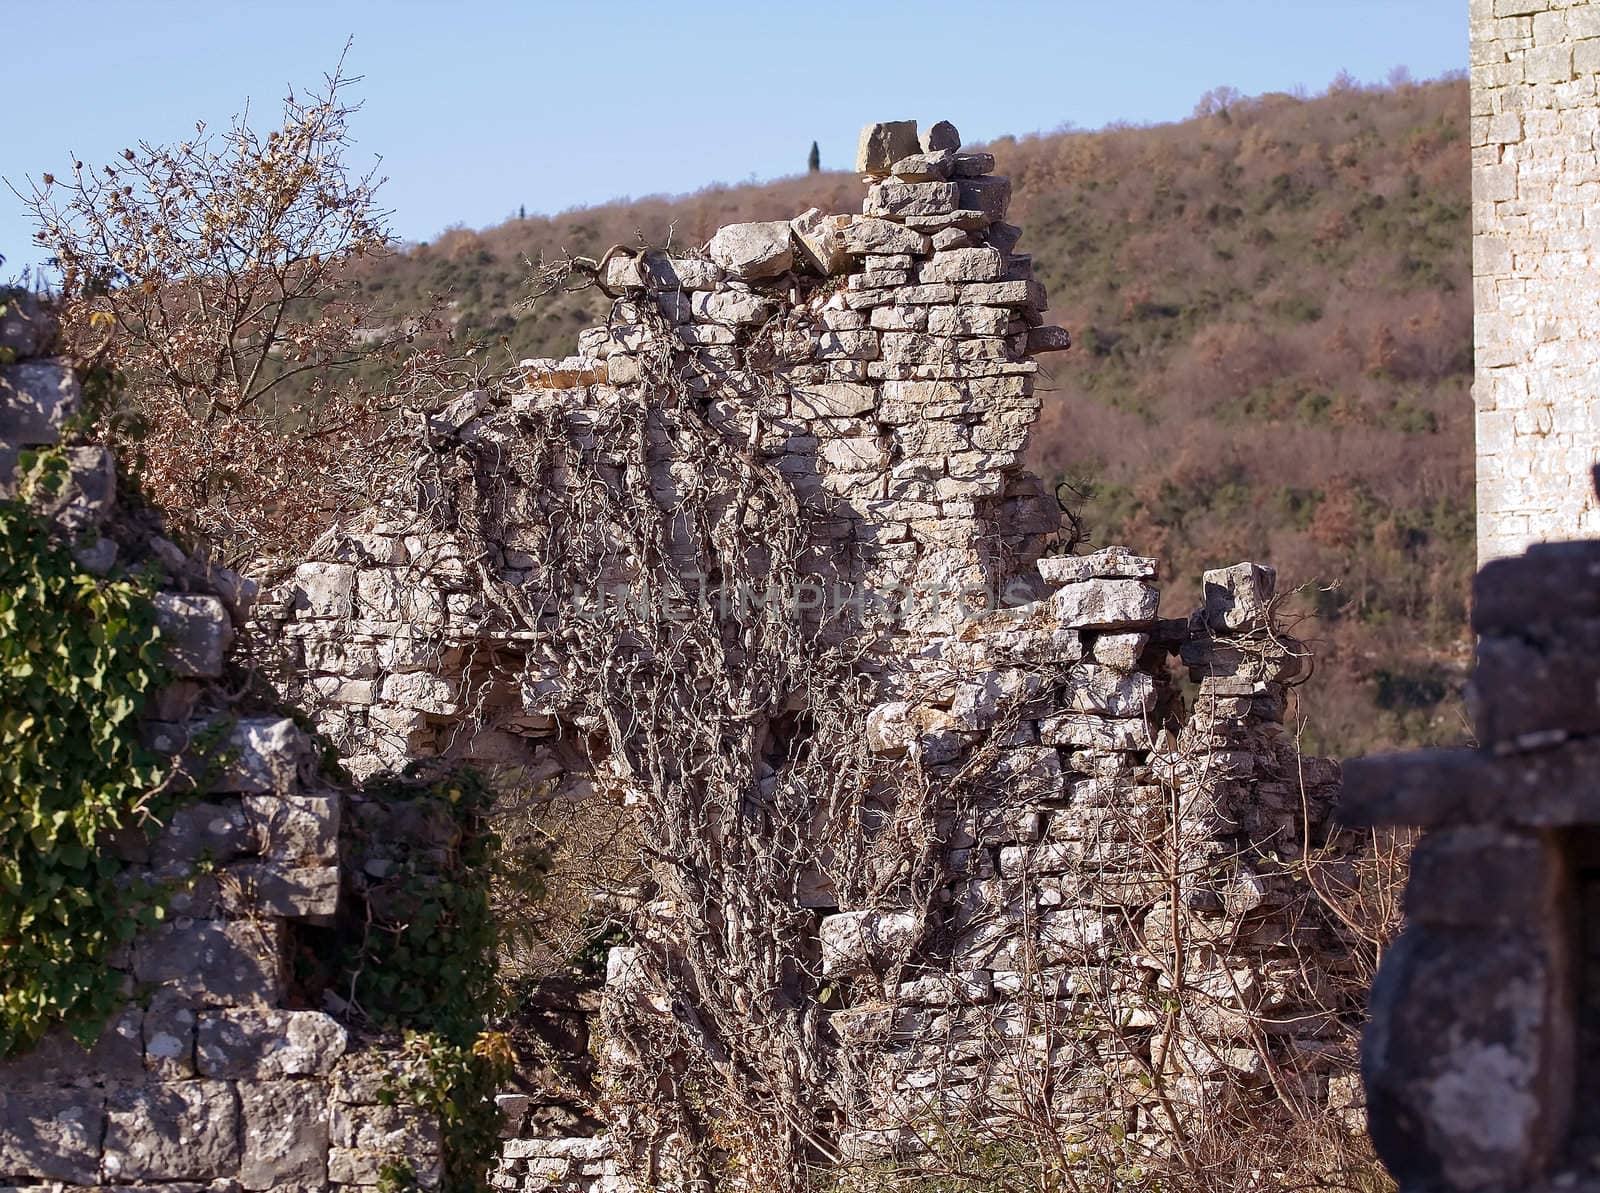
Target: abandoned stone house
(939, 852)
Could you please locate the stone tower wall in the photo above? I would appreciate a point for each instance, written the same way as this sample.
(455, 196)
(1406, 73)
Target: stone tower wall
(1535, 192)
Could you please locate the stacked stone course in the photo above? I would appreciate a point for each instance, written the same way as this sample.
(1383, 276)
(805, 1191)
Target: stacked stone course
(206, 1078)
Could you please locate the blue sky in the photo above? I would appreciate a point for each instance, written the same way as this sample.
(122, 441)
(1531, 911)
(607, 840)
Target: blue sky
(479, 108)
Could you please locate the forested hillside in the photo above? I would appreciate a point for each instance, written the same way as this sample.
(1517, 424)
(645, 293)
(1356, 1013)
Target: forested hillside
(1272, 307)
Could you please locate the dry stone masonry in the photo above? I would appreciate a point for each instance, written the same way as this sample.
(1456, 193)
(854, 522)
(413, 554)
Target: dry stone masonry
(1536, 172)
(206, 1077)
(1089, 849)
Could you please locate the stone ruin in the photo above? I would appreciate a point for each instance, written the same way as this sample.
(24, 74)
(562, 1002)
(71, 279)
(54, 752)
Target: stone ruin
(1024, 875)
(1084, 820)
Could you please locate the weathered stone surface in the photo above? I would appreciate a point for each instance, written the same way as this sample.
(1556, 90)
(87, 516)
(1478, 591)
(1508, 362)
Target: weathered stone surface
(821, 240)
(1108, 564)
(1105, 604)
(834, 399)
(1239, 597)
(301, 829)
(218, 831)
(36, 397)
(862, 941)
(868, 234)
(215, 962)
(1096, 732)
(942, 136)
(273, 888)
(51, 1134)
(391, 1130)
(265, 754)
(268, 1044)
(884, 143)
(1048, 339)
(323, 589)
(196, 632)
(757, 250)
(983, 264)
(87, 493)
(59, 1059)
(923, 167)
(990, 195)
(27, 327)
(1551, 582)
(972, 165)
(680, 273)
(180, 1130)
(911, 199)
(285, 1134)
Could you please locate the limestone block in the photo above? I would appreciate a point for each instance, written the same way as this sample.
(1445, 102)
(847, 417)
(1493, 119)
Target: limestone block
(358, 1166)
(60, 1059)
(27, 327)
(322, 590)
(1121, 652)
(733, 307)
(267, 1044)
(990, 195)
(847, 345)
(983, 264)
(221, 962)
(295, 828)
(1086, 729)
(966, 321)
(274, 888)
(392, 1130)
(972, 165)
(623, 272)
(755, 250)
(833, 399)
(868, 234)
(51, 1134)
(821, 241)
(36, 397)
(924, 167)
(1105, 604)
(863, 941)
(180, 1130)
(911, 199)
(285, 1134)
(1107, 692)
(1239, 597)
(1004, 294)
(884, 143)
(219, 831)
(666, 272)
(1048, 339)
(1109, 564)
(942, 136)
(265, 754)
(169, 1028)
(196, 632)
(88, 490)
(418, 691)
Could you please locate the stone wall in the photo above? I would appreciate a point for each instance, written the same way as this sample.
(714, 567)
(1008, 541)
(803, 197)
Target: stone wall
(209, 1076)
(1535, 182)
(1098, 850)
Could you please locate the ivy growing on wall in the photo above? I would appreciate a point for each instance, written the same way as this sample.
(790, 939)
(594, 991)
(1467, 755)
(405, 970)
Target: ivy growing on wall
(78, 655)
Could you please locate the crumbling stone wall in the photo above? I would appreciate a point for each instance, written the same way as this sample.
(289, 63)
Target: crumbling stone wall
(1535, 175)
(208, 1076)
(1096, 848)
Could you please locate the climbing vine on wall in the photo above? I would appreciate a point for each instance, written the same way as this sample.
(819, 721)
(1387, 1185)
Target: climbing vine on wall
(78, 654)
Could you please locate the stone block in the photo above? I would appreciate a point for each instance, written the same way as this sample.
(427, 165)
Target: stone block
(832, 399)
(322, 590)
(215, 962)
(923, 167)
(218, 831)
(60, 1059)
(982, 264)
(196, 632)
(391, 1130)
(285, 1134)
(175, 1131)
(1048, 339)
(865, 941)
(268, 1044)
(821, 241)
(264, 754)
(1109, 564)
(36, 397)
(274, 888)
(1105, 604)
(421, 692)
(736, 308)
(1095, 732)
(911, 199)
(868, 234)
(972, 165)
(1551, 582)
(754, 250)
(51, 1134)
(666, 272)
(87, 493)
(884, 143)
(942, 136)
(300, 829)
(1239, 598)
(169, 1028)
(27, 326)
(989, 194)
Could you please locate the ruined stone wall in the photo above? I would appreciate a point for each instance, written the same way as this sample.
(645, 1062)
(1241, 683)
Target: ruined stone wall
(208, 1076)
(1097, 850)
(1535, 184)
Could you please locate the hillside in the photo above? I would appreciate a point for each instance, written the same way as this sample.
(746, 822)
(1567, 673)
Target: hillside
(1272, 306)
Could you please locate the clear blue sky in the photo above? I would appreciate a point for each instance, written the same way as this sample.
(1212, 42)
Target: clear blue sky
(477, 108)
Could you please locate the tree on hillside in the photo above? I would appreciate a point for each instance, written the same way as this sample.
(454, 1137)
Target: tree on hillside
(215, 276)
(814, 162)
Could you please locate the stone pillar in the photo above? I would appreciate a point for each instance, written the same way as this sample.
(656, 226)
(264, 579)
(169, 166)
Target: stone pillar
(1535, 182)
